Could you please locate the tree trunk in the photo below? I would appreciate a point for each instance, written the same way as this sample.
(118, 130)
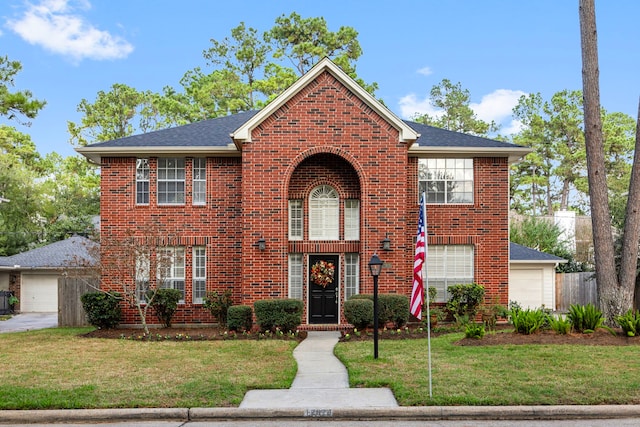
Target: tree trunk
(629, 262)
(613, 298)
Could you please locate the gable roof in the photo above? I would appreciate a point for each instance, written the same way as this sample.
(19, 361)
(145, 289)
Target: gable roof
(223, 136)
(519, 253)
(56, 255)
(407, 134)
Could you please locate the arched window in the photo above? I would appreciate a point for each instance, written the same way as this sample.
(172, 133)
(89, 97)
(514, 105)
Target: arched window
(324, 213)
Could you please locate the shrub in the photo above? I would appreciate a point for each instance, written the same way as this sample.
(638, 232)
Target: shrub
(527, 321)
(392, 308)
(239, 318)
(585, 318)
(561, 325)
(283, 314)
(103, 309)
(359, 312)
(464, 300)
(165, 304)
(218, 305)
(629, 322)
(474, 331)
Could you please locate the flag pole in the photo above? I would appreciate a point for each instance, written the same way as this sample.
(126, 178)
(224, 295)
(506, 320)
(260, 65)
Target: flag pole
(423, 206)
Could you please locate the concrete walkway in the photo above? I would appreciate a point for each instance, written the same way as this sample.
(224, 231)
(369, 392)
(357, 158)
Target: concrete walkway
(29, 322)
(322, 382)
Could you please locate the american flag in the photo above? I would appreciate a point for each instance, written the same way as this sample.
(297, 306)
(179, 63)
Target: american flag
(417, 293)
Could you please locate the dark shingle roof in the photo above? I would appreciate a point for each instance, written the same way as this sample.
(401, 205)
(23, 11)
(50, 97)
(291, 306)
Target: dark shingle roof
(523, 253)
(435, 137)
(56, 255)
(216, 133)
(207, 133)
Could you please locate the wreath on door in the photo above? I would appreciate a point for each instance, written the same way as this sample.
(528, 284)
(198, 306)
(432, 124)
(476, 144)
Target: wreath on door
(322, 273)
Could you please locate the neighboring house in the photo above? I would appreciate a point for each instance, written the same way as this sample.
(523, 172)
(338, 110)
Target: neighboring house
(256, 202)
(33, 275)
(532, 281)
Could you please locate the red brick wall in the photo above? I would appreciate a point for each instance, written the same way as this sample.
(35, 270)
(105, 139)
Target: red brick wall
(323, 135)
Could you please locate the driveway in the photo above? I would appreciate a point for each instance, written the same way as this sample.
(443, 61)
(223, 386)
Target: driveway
(29, 322)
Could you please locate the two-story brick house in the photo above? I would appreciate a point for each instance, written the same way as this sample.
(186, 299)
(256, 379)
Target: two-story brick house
(253, 201)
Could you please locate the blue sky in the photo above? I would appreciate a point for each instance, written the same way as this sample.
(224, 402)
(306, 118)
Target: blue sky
(497, 49)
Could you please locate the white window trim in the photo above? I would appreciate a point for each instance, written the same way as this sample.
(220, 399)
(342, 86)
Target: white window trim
(464, 175)
(296, 276)
(351, 279)
(448, 265)
(296, 219)
(173, 273)
(199, 256)
(352, 219)
(179, 196)
(200, 165)
(324, 213)
(143, 177)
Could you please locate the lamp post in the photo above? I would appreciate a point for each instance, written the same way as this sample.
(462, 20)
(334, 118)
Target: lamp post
(375, 267)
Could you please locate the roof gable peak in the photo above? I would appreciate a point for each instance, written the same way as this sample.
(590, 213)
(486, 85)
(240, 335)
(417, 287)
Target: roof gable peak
(243, 133)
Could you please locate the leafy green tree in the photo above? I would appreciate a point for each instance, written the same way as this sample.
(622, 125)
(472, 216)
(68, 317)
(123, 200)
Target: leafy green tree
(457, 115)
(16, 103)
(305, 41)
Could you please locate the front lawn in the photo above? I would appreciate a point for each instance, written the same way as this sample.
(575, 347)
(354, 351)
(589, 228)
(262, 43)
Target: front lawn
(55, 368)
(536, 374)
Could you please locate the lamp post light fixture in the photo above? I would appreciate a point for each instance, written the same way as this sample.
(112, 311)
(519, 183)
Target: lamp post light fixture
(375, 267)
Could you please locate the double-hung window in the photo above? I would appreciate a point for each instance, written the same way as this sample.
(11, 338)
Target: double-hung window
(170, 181)
(449, 265)
(142, 181)
(295, 276)
(199, 180)
(142, 276)
(351, 279)
(199, 274)
(295, 220)
(171, 269)
(446, 180)
(352, 219)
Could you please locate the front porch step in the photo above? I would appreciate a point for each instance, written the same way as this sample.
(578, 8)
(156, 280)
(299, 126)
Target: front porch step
(325, 327)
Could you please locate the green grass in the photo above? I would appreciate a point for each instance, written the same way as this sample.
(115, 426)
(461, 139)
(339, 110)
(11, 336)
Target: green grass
(496, 375)
(55, 368)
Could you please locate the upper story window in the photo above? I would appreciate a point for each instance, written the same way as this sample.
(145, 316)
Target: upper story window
(170, 181)
(142, 181)
(446, 180)
(199, 181)
(295, 220)
(324, 214)
(352, 219)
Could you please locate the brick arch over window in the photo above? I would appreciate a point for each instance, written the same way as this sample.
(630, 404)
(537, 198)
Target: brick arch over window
(311, 169)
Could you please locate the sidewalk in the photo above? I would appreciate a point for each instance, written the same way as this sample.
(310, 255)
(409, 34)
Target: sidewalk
(321, 382)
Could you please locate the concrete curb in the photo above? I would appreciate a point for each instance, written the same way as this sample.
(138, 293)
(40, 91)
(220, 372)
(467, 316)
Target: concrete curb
(417, 413)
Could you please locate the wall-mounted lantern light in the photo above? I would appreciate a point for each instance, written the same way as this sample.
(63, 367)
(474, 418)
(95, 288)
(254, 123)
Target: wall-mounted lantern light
(386, 243)
(262, 244)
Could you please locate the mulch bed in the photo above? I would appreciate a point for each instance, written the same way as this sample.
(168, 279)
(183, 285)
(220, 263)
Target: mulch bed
(189, 334)
(503, 336)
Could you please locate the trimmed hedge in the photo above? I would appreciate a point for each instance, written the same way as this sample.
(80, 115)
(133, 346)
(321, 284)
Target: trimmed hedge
(103, 309)
(393, 308)
(359, 312)
(283, 314)
(239, 318)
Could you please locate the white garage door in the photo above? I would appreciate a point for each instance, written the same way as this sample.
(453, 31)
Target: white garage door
(526, 287)
(39, 293)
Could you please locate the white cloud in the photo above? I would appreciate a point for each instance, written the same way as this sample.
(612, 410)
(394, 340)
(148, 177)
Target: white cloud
(495, 106)
(425, 71)
(54, 25)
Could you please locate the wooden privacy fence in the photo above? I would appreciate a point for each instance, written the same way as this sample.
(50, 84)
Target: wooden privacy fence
(576, 288)
(70, 311)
